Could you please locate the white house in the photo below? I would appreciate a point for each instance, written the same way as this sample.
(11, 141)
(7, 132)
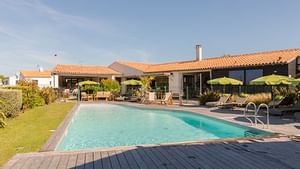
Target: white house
(11, 80)
(41, 77)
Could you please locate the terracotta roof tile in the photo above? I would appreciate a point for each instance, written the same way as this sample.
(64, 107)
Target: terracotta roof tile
(84, 69)
(137, 65)
(253, 59)
(36, 73)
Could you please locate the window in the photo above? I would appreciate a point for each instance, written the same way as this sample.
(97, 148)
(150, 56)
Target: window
(253, 74)
(298, 65)
(237, 74)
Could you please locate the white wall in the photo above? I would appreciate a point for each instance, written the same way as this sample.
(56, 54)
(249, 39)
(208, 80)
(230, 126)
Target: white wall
(292, 68)
(43, 82)
(176, 82)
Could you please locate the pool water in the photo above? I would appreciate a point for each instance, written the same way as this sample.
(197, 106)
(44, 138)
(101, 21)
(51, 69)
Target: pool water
(109, 125)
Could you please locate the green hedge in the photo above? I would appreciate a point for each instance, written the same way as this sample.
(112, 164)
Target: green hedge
(11, 102)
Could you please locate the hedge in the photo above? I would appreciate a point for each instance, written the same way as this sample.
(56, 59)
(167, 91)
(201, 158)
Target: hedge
(11, 102)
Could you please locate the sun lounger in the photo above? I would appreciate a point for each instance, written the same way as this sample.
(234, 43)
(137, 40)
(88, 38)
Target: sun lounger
(167, 99)
(276, 103)
(240, 101)
(221, 102)
(284, 110)
(120, 98)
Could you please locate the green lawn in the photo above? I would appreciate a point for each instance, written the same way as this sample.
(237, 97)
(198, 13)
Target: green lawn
(30, 130)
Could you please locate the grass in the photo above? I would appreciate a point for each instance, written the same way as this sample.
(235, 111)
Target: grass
(30, 130)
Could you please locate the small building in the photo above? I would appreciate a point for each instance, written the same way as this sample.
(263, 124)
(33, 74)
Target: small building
(11, 80)
(67, 76)
(41, 77)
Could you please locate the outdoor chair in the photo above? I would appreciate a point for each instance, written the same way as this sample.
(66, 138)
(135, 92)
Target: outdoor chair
(120, 98)
(151, 97)
(167, 99)
(276, 103)
(221, 102)
(84, 96)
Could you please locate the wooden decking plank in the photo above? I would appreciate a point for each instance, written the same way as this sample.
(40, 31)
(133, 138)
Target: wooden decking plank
(63, 162)
(36, 163)
(149, 162)
(243, 157)
(114, 160)
(224, 161)
(97, 160)
(19, 163)
(166, 162)
(189, 157)
(122, 160)
(172, 158)
(27, 163)
(207, 158)
(89, 161)
(72, 161)
(262, 158)
(54, 162)
(46, 162)
(80, 161)
(181, 159)
(160, 164)
(105, 160)
(228, 155)
(256, 158)
(131, 161)
(139, 159)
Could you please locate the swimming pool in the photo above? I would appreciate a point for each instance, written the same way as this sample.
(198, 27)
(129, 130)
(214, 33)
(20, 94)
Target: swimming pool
(110, 125)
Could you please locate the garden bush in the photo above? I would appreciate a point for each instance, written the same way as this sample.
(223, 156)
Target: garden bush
(30, 94)
(208, 96)
(260, 98)
(112, 86)
(49, 94)
(10, 102)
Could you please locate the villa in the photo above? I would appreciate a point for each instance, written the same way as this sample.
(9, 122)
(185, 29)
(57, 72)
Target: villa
(176, 76)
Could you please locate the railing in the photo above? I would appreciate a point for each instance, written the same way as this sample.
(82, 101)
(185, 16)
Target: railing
(255, 115)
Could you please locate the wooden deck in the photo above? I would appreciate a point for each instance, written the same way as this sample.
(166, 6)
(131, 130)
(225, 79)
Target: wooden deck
(273, 153)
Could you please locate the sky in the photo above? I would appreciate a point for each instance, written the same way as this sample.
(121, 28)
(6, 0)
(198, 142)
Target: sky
(43, 33)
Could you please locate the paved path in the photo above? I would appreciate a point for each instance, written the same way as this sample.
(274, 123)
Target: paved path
(271, 153)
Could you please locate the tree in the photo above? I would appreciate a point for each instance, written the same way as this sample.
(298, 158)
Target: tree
(146, 83)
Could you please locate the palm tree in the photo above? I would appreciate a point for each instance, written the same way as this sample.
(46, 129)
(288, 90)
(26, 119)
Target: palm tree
(146, 83)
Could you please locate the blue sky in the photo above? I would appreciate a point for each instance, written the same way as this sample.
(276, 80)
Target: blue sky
(102, 31)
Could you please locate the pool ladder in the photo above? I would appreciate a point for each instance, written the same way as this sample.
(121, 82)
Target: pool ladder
(255, 114)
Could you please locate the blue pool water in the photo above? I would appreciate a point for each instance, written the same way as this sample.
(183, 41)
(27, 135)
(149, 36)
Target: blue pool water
(109, 125)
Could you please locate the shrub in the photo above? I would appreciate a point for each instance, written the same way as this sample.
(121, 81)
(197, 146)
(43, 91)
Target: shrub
(112, 86)
(48, 94)
(31, 94)
(11, 102)
(208, 96)
(260, 98)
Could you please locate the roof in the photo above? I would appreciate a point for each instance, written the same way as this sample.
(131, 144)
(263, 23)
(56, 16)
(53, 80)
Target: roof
(84, 69)
(230, 61)
(137, 65)
(36, 74)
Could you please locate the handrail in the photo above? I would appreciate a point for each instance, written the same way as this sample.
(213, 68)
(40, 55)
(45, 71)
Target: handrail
(246, 110)
(256, 113)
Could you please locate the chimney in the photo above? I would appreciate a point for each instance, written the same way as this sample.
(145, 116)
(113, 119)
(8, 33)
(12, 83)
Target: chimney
(198, 52)
(41, 69)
